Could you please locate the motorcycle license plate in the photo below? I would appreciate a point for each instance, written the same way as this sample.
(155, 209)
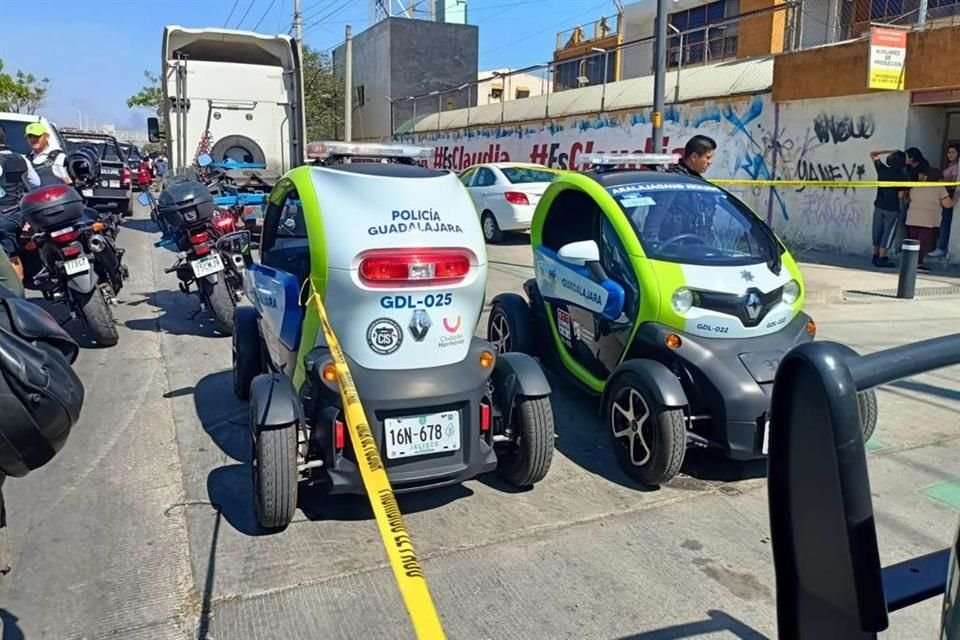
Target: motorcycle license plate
(79, 265)
(87, 193)
(207, 266)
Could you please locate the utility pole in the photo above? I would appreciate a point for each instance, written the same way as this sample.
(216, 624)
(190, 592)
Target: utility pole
(348, 81)
(660, 74)
(297, 21)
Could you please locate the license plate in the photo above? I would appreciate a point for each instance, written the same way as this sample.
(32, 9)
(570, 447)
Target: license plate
(422, 435)
(87, 193)
(765, 449)
(79, 265)
(207, 266)
(114, 184)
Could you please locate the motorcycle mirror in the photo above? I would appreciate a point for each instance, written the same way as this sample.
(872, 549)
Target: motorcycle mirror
(2, 192)
(143, 198)
(1, 169)
(204, 160)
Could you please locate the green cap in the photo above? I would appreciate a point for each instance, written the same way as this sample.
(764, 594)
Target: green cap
(36, 129)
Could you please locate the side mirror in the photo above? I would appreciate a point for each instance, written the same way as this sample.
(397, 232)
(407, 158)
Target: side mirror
(580, 253)
(143, 199)
(204, 160)
(153, 129)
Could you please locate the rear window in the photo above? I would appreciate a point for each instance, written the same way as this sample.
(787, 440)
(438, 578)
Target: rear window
(106, 150)
(520, 175)
(16, 135)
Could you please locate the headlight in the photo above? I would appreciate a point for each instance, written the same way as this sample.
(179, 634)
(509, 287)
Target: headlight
(682, 300)
(791, 291)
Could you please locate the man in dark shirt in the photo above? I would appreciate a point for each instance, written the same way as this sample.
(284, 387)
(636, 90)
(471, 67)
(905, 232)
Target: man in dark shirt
(697, 156)
(886, 206)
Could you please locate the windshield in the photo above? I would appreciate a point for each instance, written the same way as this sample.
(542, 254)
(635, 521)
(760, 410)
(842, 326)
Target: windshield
(105, 149)
(16, 136)
(519, 175)
(695, 223)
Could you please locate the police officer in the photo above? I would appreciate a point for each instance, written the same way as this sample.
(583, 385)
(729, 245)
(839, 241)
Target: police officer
(17, 176)
(47, 158)
(697, 156)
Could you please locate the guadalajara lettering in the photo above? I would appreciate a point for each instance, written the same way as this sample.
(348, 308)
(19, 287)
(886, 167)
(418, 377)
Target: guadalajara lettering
(422, 220)
(581, 291)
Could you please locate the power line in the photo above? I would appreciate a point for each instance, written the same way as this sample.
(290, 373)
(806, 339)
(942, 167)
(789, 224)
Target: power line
(536, 33)
(317, 8)
(332, 13)
(250, 6)
(234, 8)
(270, 6)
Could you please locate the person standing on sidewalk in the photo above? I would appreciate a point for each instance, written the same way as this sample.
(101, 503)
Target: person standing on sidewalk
(924, 207)
(946, 216)
(886, 205)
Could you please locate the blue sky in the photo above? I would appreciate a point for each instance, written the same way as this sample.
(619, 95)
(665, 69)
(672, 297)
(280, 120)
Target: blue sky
(119, 39)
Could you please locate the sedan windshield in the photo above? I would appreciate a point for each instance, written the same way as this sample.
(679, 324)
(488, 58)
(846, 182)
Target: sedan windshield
(519, 175)
(695, 223)
(16, 135)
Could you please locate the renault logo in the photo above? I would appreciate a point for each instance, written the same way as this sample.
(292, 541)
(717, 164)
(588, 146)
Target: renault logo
(419, 325)
(754, 305)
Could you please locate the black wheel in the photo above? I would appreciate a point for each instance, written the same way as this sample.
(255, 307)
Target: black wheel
(221, 301)
(123, 208)
(274, 472)
(868, 412)
(96, 313)
(510, 325)
(526, 462)
(246, 350)
(491, 230)
(649, 441)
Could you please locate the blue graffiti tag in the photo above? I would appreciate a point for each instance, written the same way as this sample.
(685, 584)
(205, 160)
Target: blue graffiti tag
(752, 158)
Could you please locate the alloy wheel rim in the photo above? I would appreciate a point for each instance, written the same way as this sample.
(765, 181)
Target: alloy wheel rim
(630, 423)
(500, 333)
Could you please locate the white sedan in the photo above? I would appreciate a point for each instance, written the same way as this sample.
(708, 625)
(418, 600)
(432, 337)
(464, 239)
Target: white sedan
(506, 194)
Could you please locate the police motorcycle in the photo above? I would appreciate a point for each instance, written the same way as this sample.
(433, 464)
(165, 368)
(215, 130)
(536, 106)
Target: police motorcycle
(212, 251)
(242, 189)
(83, 167)
(79, 263)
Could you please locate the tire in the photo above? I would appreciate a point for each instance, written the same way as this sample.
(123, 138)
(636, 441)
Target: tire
(511, 314)
(491, 230)
(528, 461)
(123, 208)
(274, 471)
(656, 456)
(867, 400)
(219, 150)
(221, 302)
(246, 350)
(96, 314)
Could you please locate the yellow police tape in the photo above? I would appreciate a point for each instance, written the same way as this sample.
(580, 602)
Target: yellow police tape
(829, 184)
(399, 546)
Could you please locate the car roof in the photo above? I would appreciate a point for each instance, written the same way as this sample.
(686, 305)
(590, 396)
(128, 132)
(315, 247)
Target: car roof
(501, 165)
(22, 117)
(634, 176)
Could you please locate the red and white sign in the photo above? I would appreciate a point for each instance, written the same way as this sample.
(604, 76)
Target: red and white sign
(888, 58)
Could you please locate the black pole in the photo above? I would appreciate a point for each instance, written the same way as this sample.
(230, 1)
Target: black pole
(909, 258)
(660, 74)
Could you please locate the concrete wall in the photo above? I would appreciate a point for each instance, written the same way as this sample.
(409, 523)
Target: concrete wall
(826, 139)
(371, 70)
(534, 84)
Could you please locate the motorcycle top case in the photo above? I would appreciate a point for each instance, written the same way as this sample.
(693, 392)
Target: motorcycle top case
(52, 206)
(185, 203)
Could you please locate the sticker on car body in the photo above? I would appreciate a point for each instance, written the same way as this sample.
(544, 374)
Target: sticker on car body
(384, 336)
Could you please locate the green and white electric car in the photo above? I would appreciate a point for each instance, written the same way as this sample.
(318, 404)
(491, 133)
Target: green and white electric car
(670, 299)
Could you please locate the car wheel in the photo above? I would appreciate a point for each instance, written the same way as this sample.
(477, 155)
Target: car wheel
(491, 230)
(510, 325)
(867, 401)
(526, 462)
(246, 350)
(649, 441)
(274, 472)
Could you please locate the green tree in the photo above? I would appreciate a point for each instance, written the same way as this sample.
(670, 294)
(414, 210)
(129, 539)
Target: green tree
(22, 92)
(323, 95)
(150, 95)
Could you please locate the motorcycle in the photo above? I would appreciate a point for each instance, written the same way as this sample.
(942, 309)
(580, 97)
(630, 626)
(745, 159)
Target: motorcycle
(212, 251)
(79, 264)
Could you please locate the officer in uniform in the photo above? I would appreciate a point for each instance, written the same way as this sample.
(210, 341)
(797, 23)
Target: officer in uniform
(48, 159)
(17, 176)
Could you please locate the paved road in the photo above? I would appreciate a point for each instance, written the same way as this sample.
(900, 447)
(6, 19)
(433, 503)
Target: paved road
(142, 527)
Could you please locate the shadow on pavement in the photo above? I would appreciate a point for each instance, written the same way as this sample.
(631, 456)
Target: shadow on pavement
(514, 239)
(145, 225)
(9, 629)
(716, 621)
(75, 327)
(862, 263)
(203, 629)
(930, 389)
(221, 414)
(181, 315)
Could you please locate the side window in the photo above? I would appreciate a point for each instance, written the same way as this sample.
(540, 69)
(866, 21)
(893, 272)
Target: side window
(616, 262)
(292, 224)
(485, 178)
(467, 176)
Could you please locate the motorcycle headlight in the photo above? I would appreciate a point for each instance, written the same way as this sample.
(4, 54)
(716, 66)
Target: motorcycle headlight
(791, 291)
(682, 300)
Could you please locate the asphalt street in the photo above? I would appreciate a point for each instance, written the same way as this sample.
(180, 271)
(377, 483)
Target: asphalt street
(143, 526)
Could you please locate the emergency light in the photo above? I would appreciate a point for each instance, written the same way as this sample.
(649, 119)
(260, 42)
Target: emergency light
(317, 150)
(614, 159)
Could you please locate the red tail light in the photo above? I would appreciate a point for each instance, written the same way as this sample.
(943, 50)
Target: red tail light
(71, 250)
(126, 176)
(224, 222)
(484, 417)
(199, 238)
(64, 236)
(201, 250)
(516, 197)
(339, 439)
(47, 194)
(413, 267)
